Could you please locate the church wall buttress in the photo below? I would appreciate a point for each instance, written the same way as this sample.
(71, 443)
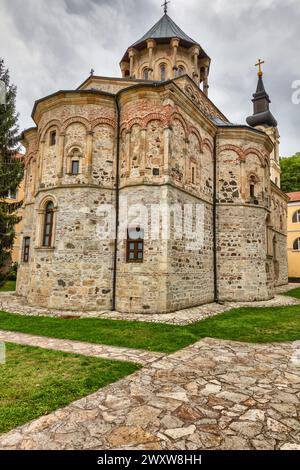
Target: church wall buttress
(246, 270)
(103, 170)
(75, 273)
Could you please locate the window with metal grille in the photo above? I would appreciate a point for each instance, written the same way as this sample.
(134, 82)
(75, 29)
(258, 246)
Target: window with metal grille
(48, 225)
(26, 249)
(135, 245)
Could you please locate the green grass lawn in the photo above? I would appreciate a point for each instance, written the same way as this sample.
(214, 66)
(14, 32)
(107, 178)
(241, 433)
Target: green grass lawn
(9, 286)
(294, 293)
(255, 325)
(35, 381)
(130, 334)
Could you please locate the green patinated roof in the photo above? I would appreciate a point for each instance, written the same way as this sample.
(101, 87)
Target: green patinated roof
(165, 28)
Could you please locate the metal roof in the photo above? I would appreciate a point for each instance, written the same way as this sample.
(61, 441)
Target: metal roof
(262, 115)
(165, 28)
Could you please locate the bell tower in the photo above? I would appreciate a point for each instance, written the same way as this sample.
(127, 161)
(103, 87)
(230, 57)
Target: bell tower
(263, 119)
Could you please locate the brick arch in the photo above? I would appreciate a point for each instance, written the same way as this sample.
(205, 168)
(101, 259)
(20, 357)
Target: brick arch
(176, 116)
(234, 148)
(153, 117)
(71, 147)
(134, 121)
(194, 130)
(103, 120)
(254, 151)
(207, 143)
(46, 199)
(29, 158)
(54, 123)
(76, 120)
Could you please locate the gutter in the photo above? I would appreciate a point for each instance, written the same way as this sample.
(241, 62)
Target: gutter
(115, 260)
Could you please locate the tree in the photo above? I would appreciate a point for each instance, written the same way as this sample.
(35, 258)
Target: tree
(290, 176)
(11, 171)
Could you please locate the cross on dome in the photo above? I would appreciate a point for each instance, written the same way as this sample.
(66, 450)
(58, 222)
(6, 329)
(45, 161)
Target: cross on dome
(165, 5)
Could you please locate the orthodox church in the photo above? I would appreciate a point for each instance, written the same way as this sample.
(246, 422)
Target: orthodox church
(152, 136)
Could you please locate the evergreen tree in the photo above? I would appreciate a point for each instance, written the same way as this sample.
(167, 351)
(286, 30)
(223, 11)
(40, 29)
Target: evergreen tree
(11, 171)
(290, 174)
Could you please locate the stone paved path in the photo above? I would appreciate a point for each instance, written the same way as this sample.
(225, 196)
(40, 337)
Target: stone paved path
(87, 349)
(10, 302)
(212, 395)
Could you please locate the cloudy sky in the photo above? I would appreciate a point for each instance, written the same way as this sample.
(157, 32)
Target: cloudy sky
(52, 44)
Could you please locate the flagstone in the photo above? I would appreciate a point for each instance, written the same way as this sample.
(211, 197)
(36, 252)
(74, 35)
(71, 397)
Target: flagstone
(202, 408)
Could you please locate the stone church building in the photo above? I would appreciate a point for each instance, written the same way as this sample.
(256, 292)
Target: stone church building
(153, 135)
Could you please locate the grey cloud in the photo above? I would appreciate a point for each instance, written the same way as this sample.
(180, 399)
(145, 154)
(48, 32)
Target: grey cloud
(51, 45)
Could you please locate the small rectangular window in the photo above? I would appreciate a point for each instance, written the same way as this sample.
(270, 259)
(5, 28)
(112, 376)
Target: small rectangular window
(53, 138)
(252, 190)
(155, 171)
(75, 167)
(135, 246)
(26, 249)
(193, 175)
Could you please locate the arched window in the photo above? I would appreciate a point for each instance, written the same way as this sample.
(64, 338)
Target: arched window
(296, 217)
(163, 72)
(180, 71)
(296, 245)
(48, 224)
(146, 73)
(252, 187)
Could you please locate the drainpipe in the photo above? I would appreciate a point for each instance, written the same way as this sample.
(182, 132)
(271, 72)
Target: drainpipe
(115, 260)
(216, 290)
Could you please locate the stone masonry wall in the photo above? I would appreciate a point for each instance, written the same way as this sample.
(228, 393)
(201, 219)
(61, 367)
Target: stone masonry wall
(141, 287)
(77, 272)
(242, 274)
(243, 269)
(190, 279)
(279, 225)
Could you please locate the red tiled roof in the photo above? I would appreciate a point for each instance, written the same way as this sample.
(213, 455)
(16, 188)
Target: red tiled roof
(294, 196)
